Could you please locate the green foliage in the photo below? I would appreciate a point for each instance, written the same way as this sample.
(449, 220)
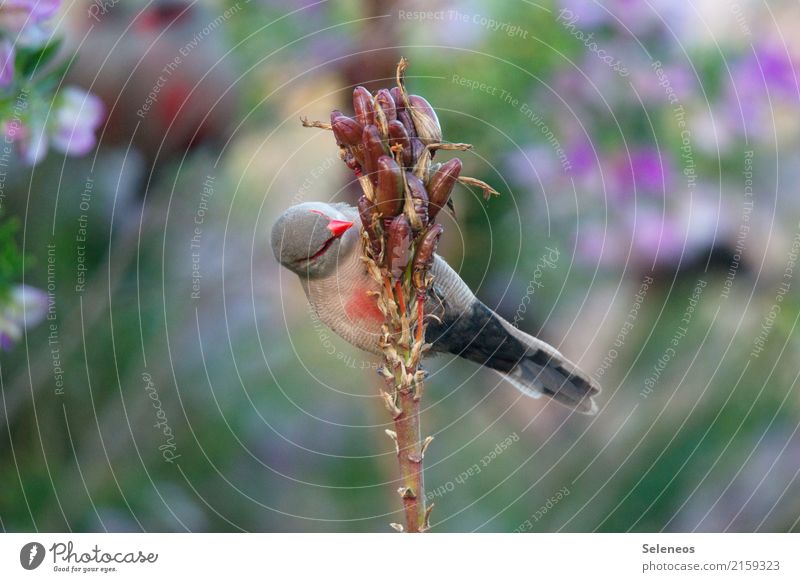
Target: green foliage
(10, 256)
(31, 60)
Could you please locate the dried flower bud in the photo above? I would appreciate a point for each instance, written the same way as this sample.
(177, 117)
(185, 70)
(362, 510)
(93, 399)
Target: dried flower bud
(389, 193)
(362, 105)
(346, 130)
(419, 201)
(425, 120)
(398, 246)
(385, 101)
(405, 118)
(373, 149)
(366, 211)
(424, 256)
(397, 95)
(399, 136)
(441, 185)
(417, 149)
(381, 122)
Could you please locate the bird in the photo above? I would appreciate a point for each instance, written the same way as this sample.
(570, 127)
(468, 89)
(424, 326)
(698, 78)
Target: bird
(320, 243)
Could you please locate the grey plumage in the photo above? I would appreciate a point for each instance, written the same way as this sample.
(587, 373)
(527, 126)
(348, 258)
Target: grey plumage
(336, 283)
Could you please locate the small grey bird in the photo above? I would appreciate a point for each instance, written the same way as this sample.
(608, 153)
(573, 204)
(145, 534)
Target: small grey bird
(320, 243)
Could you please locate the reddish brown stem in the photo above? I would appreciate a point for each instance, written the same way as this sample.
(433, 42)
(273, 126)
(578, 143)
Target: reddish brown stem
(387, 287)
(420, 317)
(409, 443)
(401, 300)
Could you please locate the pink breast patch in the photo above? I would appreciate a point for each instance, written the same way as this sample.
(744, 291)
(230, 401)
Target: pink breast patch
(363, 307)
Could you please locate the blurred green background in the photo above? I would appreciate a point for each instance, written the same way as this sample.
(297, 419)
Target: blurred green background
(652, 145)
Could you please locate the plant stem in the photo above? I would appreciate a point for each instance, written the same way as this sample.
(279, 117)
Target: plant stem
(405, 386)
(409, 445)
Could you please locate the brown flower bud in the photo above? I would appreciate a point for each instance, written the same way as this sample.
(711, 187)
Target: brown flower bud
(399, 136)
(424, 256)
(373, 149)
(441, 185)
(397, 95)
(398, 246)
(385, 101)
(405, 117)
(362, 105)
(346, 130)
(417, 149)
(369, 222)
(389, 193)
(419, 200)
(425, 120)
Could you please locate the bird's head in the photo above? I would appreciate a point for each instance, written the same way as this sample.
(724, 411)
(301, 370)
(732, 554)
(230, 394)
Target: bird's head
(311, 238)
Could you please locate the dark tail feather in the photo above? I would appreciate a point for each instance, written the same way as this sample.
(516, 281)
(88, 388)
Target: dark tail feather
(531, 365)
(547, 372)
(543, 370)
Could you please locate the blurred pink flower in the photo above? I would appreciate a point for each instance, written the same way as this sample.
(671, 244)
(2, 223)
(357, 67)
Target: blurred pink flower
(76, 119)
(32, 142)
(16, 15)
(71, 128)
(6, 63)
(25, 307)
(658, 238)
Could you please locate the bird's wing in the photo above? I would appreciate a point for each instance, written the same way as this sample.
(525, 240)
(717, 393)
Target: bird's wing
(468, 328)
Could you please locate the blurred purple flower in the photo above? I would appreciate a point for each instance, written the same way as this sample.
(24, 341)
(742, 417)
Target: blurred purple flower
(16, 15)
(585, 162)
(764, 88)
(637, 16)
(589, 14)
(647, 234)
(776, 68)
(24, 307)
(625, 15)
(7, 56)
(645, 171)
(77, 118)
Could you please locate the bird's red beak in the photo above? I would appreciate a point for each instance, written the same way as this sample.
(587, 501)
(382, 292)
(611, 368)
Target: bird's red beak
(339, 227)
